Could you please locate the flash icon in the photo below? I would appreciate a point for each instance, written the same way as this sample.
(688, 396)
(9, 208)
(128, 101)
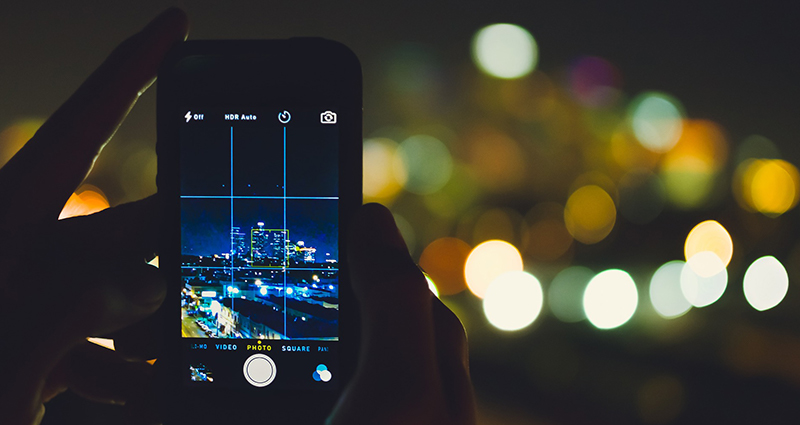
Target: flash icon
(188, 116)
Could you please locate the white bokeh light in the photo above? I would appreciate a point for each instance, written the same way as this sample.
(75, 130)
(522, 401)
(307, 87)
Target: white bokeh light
(765, 283)
(513, 300)
(487, 261)
(505, 51)
(657, 121)
(610, 299)
(700, 290)
(665, 291)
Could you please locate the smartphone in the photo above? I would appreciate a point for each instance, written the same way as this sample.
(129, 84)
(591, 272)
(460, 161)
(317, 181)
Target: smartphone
(259, 171)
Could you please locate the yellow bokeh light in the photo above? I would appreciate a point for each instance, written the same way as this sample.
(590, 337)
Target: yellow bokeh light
(708, 236)
(513, 300)
(381, 183)
(444, 260)
(703, 140)
(590, 214)
(489, 260)
(505, 51)
(86, 200)
(771, 187)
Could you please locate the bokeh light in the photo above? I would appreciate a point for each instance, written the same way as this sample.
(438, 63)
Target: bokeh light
(769, 186)
(708, 236)
(665, 291)
(691, 167)
(546, 237)
(565, 294)
(590, 214)
(594, 82)
(489, 260)
(513, 300)
(702, 290)
(610, 299)
(426, 163)
(765, 283)
(380, 182)
(505, 51)
(444, 260)
(86, 200)
(656, 120)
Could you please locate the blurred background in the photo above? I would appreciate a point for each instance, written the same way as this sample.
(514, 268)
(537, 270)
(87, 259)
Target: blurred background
(603, 192)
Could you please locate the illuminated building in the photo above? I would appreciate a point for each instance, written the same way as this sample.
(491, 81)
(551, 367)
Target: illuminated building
(239, 246)
(268, 246)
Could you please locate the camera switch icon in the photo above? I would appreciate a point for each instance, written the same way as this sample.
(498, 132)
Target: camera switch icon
(327, 117)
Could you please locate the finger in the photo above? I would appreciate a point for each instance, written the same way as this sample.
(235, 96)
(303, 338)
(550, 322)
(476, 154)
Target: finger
(126, 231)
(62, 152)
(139, 341)
(392, 291)
(453, 356)
(61, 325)
(101, 375)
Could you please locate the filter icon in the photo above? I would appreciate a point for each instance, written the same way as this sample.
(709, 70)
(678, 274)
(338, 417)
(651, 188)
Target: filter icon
(322, 374)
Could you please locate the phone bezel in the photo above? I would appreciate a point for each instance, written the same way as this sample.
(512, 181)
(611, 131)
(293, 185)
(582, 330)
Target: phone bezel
(300, 72)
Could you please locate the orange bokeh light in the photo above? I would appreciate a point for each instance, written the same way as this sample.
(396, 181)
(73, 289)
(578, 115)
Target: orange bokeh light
(444, 260)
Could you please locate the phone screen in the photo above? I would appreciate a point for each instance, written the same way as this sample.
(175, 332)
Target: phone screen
(259, 218)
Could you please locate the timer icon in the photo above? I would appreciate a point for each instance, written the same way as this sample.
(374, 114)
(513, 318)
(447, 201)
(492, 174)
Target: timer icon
(284, 117)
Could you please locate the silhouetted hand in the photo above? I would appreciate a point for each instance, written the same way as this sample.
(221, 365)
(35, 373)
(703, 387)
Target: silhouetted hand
(413, 366)
(62, 281)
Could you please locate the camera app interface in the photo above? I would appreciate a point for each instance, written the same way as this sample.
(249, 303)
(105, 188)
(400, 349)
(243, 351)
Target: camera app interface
(259, 247)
